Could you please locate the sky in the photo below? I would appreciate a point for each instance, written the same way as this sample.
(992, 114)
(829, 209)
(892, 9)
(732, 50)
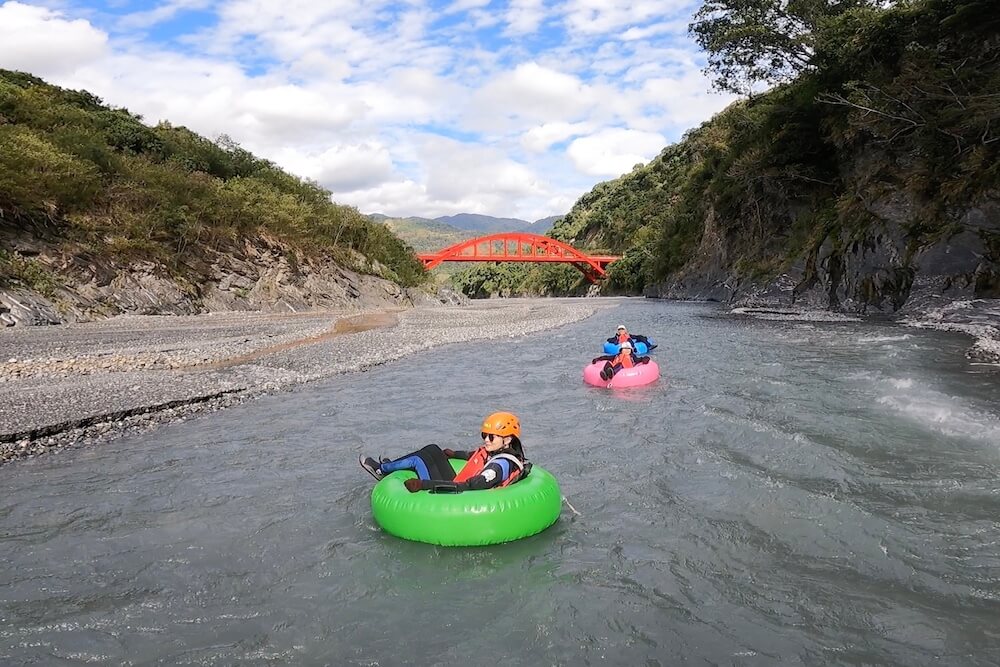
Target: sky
(403, 107)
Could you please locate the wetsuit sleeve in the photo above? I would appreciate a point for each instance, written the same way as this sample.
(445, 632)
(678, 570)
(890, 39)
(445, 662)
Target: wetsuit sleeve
(462, 454)
(606, 357)
(492, 475)
(443, 486)
(613, 339)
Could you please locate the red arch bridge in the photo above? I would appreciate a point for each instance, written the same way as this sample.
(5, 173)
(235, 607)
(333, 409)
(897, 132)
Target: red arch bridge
(520, 247)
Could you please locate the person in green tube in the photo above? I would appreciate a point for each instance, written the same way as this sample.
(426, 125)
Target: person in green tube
(499, 462)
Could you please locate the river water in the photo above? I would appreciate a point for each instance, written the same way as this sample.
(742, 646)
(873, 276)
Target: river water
(789, 492)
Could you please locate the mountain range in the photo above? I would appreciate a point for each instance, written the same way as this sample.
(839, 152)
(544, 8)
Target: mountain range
(473, 222)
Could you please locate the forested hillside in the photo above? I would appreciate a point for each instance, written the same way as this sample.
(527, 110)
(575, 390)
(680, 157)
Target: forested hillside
(92, 189)
(869, 170)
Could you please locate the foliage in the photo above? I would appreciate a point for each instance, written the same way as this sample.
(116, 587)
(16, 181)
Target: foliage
(102, 176)
(39, 179)
(762, 41)
(27, 272)
(896, 99)
(488, 279)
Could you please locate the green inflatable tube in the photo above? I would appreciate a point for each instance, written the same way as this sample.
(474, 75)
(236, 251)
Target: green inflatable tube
(471, 518)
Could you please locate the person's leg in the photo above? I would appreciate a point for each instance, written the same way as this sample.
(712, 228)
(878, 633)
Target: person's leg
(428, 462)
(615, 369)
(607, 371)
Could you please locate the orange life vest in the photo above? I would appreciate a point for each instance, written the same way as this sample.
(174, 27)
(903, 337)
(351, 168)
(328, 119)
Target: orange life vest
(478, 462)
(625, 359)
(622, 338)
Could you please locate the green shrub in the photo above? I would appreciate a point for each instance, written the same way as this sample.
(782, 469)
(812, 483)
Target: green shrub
(36, 177)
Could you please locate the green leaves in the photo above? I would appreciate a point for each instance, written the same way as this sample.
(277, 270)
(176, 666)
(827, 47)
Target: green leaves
(37, 178)
(752, 42)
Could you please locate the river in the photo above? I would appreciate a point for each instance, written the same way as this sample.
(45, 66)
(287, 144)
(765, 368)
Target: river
(789, 492)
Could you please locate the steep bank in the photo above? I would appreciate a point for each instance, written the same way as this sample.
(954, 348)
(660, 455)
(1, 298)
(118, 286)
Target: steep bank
(63, 282)
(869, 185)
(101, 214)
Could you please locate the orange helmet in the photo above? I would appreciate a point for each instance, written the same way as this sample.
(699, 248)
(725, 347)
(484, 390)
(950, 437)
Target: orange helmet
(502, 423)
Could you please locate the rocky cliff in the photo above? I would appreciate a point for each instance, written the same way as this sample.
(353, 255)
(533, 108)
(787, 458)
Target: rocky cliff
(63, 284)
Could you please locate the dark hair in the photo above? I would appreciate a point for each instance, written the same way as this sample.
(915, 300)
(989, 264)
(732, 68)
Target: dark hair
(517, 447)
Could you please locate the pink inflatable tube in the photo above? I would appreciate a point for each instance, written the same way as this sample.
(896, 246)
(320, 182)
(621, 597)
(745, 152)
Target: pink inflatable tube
(626, 377)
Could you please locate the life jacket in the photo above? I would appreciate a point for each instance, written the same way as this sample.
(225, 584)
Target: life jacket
(622, 338)
(482, 458)
(625, 359)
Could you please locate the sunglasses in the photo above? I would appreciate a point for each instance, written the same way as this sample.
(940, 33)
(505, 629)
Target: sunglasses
(491, 436)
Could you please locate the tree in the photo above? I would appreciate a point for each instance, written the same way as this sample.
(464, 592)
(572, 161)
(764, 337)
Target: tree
(762, 41)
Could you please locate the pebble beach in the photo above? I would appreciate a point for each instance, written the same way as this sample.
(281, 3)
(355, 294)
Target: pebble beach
(78, 384)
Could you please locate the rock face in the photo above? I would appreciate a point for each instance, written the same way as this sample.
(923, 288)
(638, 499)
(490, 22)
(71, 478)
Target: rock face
(886, 267)
(259, 276)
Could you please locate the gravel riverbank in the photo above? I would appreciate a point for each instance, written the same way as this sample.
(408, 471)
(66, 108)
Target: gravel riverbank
(76, 384)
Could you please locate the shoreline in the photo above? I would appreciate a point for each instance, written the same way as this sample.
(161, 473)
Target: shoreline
(76, 385)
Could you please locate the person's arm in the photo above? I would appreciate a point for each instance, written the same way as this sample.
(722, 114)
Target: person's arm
(492, 475)
(603, 357)
(457, 454)
(435, 485)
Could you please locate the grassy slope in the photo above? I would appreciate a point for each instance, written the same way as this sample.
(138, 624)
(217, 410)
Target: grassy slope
(98, 179)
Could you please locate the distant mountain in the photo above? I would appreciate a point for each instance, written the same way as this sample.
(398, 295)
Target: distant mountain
(484, 224)
(544, 225)
(423, 234)
(480, 224)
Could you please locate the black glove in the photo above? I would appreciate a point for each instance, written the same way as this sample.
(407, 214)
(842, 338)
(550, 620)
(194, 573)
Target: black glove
(595, 360)
(413, 485)
(450, 453)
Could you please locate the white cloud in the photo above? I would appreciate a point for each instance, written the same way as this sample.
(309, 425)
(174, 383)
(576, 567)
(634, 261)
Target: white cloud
(678, 27)
(164, 12)
(531, 93)
(539, 139)
(44, 42)
(682, 101)
(392, 106)
(464, 5)
(524, 16)
(455, 169)
(342, 168)
(614, 151)
(298, 109)
(591, 17)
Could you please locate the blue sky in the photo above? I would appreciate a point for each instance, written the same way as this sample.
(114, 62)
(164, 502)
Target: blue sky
(512, 109)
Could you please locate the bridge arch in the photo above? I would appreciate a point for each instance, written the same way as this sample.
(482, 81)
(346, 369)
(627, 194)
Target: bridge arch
(526, 248)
